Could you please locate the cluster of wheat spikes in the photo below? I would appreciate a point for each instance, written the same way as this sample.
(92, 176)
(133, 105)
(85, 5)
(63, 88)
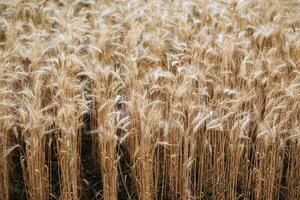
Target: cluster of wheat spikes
(149, 99)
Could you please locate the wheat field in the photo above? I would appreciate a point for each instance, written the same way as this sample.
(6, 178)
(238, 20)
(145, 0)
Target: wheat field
(149, 100)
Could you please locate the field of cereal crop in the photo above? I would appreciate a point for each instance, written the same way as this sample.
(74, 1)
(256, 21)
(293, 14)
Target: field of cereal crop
(149, 100)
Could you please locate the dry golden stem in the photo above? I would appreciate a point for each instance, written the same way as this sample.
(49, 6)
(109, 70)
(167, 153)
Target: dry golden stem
(107, 134)
(4, 169)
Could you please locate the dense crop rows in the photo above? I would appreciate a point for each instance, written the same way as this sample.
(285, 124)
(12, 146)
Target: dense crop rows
(149, 99)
